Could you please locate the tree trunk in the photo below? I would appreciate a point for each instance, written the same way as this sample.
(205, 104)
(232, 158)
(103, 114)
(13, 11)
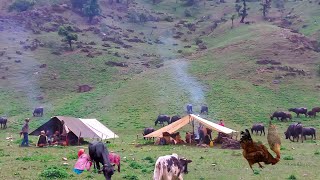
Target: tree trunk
(231, 23)
(242, 19)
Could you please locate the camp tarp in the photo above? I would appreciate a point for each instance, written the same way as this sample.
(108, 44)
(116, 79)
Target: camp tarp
(171, 128)
(102, 131)
(75, 125)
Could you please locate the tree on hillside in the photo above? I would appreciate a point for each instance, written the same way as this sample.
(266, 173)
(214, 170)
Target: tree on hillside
(21, 5)
(266, 5)
(66, 31)
(244, 11)
(232, 18)
(91, 9)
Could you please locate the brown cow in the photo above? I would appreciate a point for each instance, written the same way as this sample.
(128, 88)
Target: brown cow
(316, 110)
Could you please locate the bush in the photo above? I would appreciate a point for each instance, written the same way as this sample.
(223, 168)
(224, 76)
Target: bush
(54, 172)
(21, 5)
(135, 165)
(317, 152)
(256, 171)
(150, 159)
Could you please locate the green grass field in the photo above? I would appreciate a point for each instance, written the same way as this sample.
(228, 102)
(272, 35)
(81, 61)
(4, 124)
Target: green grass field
(126, 100)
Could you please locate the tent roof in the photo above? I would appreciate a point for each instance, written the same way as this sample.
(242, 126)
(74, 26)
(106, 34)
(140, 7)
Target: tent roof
(102, 131)
(77, 126)
(171, 128)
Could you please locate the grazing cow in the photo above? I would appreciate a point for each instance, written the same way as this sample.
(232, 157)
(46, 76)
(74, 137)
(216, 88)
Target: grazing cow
(316, 109)
(115, 159)
(161, 119)
(170, 167)
(301, 110)
(308, 131)
(258, 127)
(312, 114)
(3, 122)
(294, 130)
(189, 108)
(204, 109)
(38, 112)
(99, 154)
(175, 118)
(147, 131)
(282, 115)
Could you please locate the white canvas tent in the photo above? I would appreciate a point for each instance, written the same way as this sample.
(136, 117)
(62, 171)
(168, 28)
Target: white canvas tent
(173, 127)
(99, 129)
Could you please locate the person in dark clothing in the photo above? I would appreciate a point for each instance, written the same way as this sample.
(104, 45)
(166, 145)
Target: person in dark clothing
(42, 141)
(25, 132)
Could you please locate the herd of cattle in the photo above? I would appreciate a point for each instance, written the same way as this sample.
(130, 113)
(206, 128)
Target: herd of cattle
(284, 116)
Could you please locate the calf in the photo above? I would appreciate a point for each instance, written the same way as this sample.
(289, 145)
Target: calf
(115, 159)
(175, 118)
(99, 154)
(38, 112)
(3, 122)
(312, 114)
(316, 109)
(170, 167)
(258, 127)
(308, 131)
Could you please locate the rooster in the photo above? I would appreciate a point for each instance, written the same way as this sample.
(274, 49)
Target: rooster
(255, 152)
(274, 139)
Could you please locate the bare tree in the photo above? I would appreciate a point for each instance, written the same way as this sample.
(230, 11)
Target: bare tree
(244, 11)
(266, 5)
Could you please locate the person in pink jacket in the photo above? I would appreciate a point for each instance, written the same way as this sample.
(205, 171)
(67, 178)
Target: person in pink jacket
(83, 162)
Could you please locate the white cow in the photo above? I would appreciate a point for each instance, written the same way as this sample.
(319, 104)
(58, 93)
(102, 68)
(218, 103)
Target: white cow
(170, 167)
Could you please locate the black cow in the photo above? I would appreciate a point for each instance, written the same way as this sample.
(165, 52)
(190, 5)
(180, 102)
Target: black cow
(100, 154)
(204, 109)
(38, 112)
(258, 127)
(282, 115)
(312, 114)
(309, 131)
(175, 118)
(3, 122)
(294, 130)
(189, 108)
(161, 119)
(147, 131)
(301, 110)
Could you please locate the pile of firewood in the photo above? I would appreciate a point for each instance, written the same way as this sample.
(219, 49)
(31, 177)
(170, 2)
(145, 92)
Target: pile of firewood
(228, 143)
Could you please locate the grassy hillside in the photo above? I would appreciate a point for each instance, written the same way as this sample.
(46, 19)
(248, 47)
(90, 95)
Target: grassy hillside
(159, 79)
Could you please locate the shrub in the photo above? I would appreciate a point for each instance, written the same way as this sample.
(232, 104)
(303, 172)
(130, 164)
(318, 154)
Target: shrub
(256, 171)
(21, 5)
(283, 148)
(288, 158)
(292, 177)
(54, 172)
(317, 152)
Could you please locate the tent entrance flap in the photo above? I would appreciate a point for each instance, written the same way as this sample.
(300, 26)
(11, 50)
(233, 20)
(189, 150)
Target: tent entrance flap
(171, 128)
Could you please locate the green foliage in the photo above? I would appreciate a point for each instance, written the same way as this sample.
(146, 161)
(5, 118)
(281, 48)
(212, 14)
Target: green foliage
(130, 177)
(135, 165)
(288, 157)
(256, 171)
(21, 5)
(317, 152)
(91, 9)
(292, 177)
(54, 172)
(66, 31)
(19, 141)
(72, 155)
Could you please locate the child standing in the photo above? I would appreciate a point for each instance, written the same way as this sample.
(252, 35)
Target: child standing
(83, 162)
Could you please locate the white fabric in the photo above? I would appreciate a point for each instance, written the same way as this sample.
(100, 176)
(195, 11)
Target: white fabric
(102, 131)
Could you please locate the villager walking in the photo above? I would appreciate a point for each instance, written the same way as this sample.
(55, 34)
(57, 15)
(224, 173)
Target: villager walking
(25, 133)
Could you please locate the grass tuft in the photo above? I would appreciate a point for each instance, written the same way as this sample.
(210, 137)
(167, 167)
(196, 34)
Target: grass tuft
(54, 172)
